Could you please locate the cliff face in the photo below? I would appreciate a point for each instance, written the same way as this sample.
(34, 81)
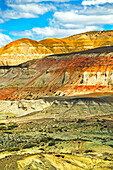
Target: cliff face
(60, 75)
(25, 49)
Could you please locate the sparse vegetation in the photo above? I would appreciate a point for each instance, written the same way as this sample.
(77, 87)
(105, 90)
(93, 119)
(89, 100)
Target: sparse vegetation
(52, 143)
(3, 128)
(68, 136)
(10, 127)
(13, 149)
(81, 120)
(87, 151)
(29, 145)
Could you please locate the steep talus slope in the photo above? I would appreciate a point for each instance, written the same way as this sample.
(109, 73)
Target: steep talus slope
(22, 50)
(60, 75)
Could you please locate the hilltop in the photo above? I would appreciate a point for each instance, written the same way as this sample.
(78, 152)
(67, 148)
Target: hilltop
(24, 49)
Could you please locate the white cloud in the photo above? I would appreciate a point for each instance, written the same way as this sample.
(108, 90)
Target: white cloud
(66, 23)
(79, 19)
(31, 1)
(95, 2)
(106, 9)
(58, 32)
(1, 21)
(26, 33)
(71, 25)
(25, 11)
(2, 30)
(67, 19)
(40, 33)
(16, 15)
(4, 39)
(33, 8)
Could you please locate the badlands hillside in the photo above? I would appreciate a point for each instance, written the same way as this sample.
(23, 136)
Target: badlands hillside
(71, 84)
(70, 74)
(22, 50)
(56, 111)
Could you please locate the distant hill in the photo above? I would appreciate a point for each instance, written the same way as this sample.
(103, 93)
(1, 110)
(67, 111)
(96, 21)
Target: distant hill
(22, 50)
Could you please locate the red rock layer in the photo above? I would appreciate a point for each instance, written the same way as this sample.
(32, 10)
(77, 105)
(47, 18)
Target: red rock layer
(62, 75)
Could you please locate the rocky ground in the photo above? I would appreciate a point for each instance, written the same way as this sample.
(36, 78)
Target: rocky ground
(79, 143)
(57, 133)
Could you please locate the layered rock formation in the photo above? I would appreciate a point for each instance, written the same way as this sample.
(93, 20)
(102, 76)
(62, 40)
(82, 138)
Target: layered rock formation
(66, 118)
(25, 49)
(21, 51)
(60, 75)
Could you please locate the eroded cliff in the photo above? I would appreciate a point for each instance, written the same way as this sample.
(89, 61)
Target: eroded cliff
(60, 75)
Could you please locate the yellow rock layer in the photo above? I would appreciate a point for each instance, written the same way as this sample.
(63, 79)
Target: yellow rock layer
(22, 50)
(64, 162)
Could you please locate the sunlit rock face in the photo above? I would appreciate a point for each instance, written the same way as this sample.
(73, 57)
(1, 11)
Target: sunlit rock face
(22, 50)
(60, 75)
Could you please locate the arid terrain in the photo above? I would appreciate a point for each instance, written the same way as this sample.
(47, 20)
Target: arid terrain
(57, 143)
(22, 50)
(56, 111)
(59, 75)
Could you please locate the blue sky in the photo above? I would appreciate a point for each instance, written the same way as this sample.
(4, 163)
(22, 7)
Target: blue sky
(40, 19)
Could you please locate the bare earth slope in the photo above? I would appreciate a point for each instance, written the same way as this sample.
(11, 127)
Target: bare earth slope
(57, 112)
(60, 75)
(22, 50)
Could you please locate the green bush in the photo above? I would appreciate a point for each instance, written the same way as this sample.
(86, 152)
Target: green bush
(29, 145)
(49, 131)
(8, 132)
(52, 143)
(41, 149)
(2, 123)
(2, 150)
(77, 152)
(46, 139)
(3, 128)
(81, 120)
(87, 151)
(40, 130)
(12, 127)
(103, 120)
(106, 159)
(13, 149)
